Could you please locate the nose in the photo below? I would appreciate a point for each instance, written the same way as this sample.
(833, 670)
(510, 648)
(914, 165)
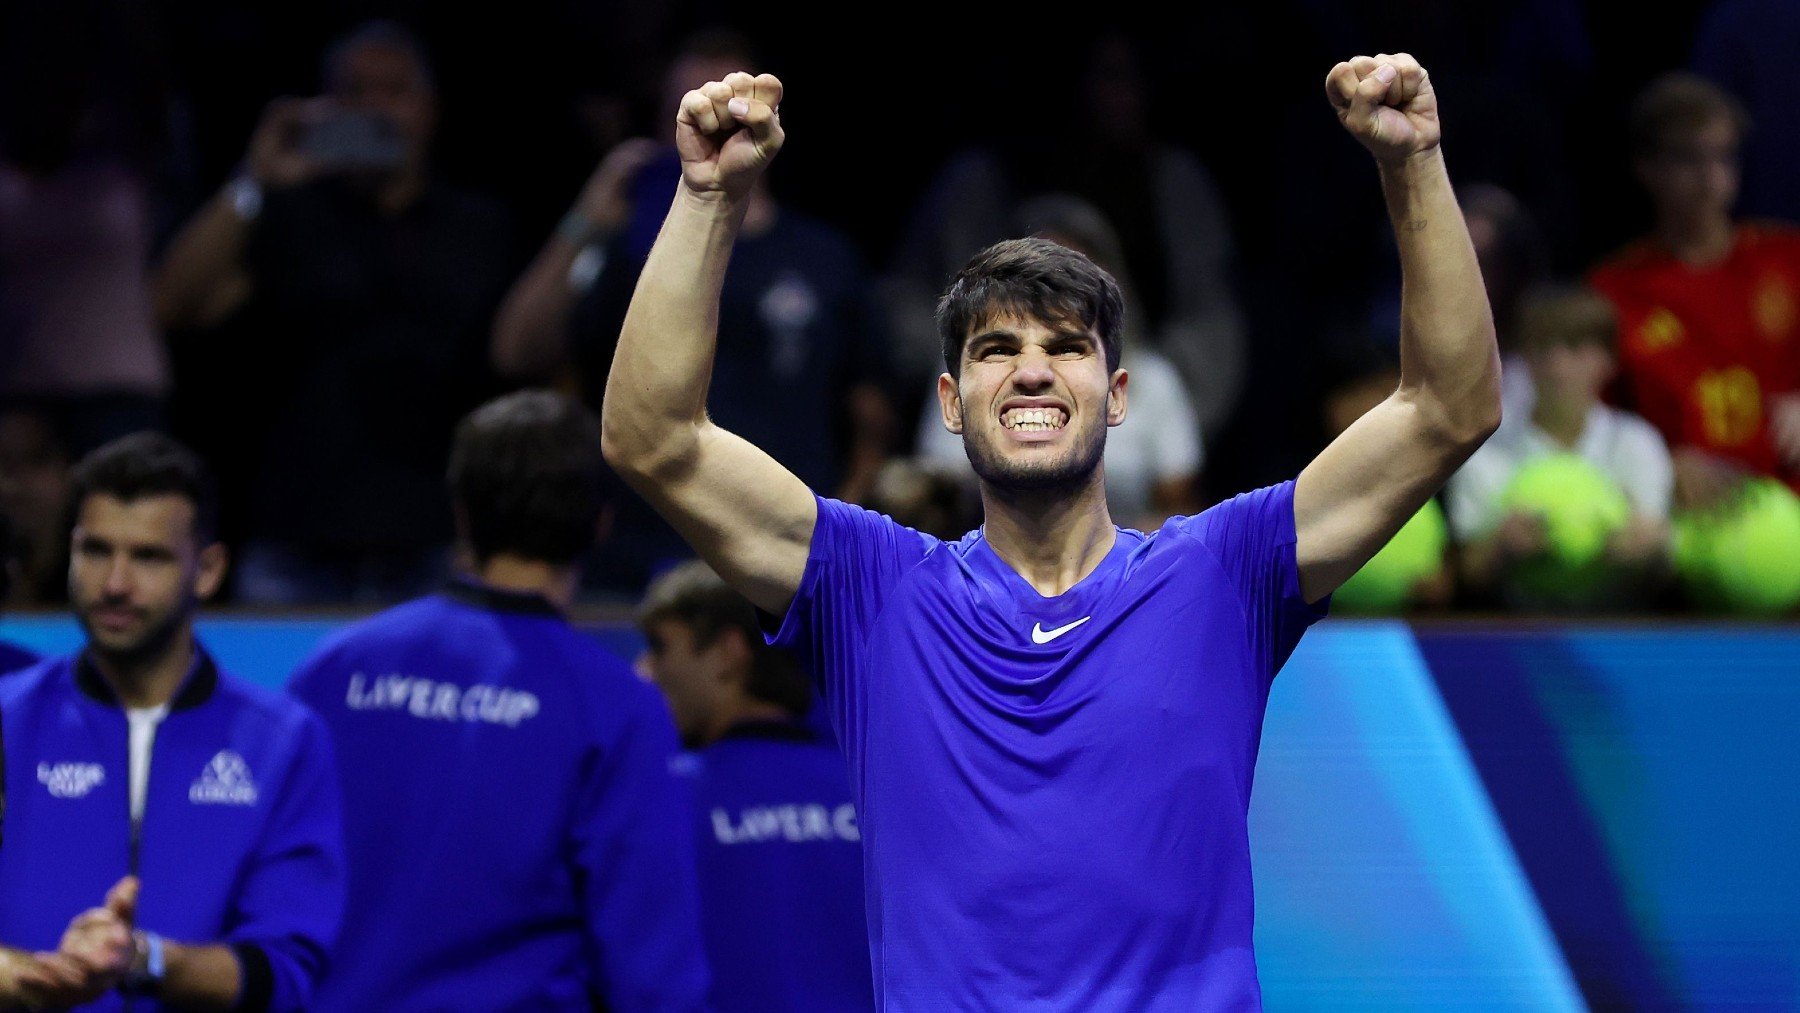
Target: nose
(1033, 371)
(118, 577)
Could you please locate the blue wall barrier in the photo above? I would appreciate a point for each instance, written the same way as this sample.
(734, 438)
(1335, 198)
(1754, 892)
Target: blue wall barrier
(1514, 817)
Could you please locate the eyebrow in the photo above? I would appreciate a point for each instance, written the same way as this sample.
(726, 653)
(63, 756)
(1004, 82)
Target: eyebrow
(1000, 334)
(985, 338)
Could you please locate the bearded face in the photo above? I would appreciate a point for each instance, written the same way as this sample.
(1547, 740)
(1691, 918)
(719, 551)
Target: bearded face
(1033, 404)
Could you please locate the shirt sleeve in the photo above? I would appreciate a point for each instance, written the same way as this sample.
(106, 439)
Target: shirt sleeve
(857, 555)
(1251, 536)
(287, 915)
(635, 868)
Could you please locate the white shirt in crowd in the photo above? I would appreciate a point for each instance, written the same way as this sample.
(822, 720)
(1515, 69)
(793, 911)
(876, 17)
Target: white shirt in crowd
(1624, 446)
(1159, 439)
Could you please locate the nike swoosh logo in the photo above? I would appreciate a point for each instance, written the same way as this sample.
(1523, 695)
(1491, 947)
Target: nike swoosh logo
(1039, 635)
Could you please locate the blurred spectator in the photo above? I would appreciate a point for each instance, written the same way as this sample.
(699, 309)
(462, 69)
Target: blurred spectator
(81, 127)
(34, 484)
(1173, 233)
(367, 284)
(516, 835)
(12, 656)
(236, 839)
(801, 360)
(781, 886)
(1569, 339)
(1152, 458)
(1748, 47)
(1709, 309)
(937, 497)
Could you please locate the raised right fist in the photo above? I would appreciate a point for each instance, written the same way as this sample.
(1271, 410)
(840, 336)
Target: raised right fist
(727, 133)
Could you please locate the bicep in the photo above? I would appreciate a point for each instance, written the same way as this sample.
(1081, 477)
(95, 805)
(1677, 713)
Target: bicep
(1352, 498)
(743, 512)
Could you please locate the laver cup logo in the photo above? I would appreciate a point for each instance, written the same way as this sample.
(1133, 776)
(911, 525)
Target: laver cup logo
(225, 781)
(70, 780)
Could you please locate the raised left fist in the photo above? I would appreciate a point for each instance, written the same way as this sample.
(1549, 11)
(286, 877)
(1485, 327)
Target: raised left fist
(1386, 102)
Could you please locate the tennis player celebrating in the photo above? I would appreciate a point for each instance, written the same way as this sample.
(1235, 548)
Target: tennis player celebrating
(1052, 723)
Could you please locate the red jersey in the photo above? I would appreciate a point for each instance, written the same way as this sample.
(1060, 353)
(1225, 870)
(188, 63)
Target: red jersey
(1703, 349)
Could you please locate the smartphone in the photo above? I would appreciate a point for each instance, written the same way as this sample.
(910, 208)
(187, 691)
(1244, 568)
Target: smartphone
(355, 140)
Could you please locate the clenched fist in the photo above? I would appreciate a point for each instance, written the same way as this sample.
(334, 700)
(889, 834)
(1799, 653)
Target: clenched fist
(1386, 102)
(727, 133)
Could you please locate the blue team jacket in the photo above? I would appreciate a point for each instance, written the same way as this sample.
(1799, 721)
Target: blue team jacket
(241, 840)
(781, 879)
(517, 837)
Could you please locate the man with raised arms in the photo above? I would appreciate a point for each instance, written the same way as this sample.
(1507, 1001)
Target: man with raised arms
(1052, 723)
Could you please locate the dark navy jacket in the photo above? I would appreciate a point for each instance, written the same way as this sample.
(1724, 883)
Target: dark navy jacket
(517, 836)
(241, 840)
(781, 884)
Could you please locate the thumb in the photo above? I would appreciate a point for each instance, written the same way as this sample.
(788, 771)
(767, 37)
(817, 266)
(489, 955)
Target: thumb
(760, 119)
(122, 899)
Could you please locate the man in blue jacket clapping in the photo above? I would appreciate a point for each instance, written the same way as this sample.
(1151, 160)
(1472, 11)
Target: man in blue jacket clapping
(174, 836)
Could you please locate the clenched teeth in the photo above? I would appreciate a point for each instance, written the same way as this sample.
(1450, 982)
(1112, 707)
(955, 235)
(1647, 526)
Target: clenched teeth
(1034, 420)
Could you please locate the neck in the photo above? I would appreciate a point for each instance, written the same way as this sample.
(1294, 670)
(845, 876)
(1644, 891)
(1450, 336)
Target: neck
(1564, 422)
(741, 709)
(556, 583)
(1698, 239)
(149, 681)
(1051, 539)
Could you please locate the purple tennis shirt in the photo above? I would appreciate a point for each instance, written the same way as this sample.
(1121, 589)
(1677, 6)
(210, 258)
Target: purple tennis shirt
(1053, 791)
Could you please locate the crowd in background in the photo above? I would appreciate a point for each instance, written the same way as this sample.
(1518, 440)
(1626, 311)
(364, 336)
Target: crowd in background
(311, 291)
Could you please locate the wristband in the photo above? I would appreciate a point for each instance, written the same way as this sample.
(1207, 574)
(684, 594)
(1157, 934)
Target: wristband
(577, 228)
(246, 197)
(147, 970)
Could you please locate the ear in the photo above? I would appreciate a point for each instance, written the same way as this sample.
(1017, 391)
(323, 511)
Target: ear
(215, 560)
(1115, 397)
(736, 654)
(950, 403)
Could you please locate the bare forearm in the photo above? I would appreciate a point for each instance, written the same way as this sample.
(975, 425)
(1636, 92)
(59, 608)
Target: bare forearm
(201, 977)
(1448, 357)
(202, 262)
(660, 373)
(12, 994)
(531, 329)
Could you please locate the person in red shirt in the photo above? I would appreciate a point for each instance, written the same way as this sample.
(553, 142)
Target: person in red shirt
(1709, 308)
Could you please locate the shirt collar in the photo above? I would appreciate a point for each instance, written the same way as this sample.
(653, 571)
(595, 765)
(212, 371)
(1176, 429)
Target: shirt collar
(198, 687)
(494, 599)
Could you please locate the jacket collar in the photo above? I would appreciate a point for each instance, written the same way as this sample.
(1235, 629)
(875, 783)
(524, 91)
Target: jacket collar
(494, 599)
(201, 682)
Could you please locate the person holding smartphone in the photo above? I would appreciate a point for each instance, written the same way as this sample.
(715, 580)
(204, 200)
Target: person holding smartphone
(338, 256)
